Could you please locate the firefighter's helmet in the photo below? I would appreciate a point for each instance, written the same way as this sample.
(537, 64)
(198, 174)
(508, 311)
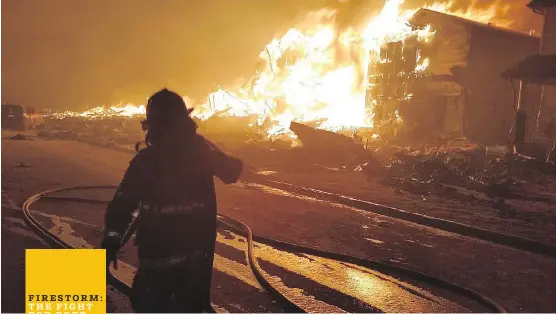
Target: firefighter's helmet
(164, 108)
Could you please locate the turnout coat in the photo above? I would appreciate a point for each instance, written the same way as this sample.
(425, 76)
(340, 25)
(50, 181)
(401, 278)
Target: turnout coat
(175, 194)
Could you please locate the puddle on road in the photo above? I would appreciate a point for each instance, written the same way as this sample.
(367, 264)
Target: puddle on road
(266, 172)
(373, 288)
(280, 192)
(63, 227)
(378, 290)
(375, 241)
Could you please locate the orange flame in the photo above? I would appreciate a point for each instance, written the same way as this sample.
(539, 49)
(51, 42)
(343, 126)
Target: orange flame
(496, 13)
(315, 74)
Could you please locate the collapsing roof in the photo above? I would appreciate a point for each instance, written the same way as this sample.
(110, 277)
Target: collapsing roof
(425, 16)
(537, 69)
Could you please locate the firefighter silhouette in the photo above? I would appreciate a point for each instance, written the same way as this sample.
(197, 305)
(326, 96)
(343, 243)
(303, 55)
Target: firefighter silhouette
(171, 183)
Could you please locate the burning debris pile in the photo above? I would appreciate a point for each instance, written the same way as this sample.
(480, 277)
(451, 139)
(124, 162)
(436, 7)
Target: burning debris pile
(114, 129)
(337, 79)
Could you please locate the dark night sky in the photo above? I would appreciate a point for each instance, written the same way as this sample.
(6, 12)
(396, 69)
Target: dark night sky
(73, 54)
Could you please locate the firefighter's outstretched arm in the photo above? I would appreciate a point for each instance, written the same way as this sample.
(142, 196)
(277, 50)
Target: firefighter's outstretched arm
(119, 211)
(225, 167)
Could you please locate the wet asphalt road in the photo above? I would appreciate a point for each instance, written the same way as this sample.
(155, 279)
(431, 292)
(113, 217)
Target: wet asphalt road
(317, 284)
(33, 166)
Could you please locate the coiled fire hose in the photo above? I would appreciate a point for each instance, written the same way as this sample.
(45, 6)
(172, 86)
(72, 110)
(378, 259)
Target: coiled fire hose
(226, 222)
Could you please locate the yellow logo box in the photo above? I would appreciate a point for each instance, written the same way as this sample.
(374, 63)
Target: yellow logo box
(65, 281)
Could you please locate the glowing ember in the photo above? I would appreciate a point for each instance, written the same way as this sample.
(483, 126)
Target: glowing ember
(313, 74)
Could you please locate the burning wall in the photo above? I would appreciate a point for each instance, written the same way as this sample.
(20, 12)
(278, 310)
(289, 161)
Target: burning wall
(459, 91)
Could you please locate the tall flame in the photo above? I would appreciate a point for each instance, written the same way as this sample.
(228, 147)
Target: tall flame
(316, 74)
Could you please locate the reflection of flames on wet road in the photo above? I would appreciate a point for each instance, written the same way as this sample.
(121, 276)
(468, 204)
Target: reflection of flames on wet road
(316, 284)
(371, 288)
(317, 73)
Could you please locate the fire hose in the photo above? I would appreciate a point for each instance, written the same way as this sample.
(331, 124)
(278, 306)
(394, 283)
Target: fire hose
(229, 223)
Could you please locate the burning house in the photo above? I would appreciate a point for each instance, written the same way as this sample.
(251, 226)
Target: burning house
(460, 92)
(434, 73)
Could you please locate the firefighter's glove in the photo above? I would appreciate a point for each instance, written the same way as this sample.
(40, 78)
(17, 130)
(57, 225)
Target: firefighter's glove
(111, 242)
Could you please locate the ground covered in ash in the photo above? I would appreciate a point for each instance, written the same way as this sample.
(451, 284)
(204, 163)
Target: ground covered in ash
(455, 179)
